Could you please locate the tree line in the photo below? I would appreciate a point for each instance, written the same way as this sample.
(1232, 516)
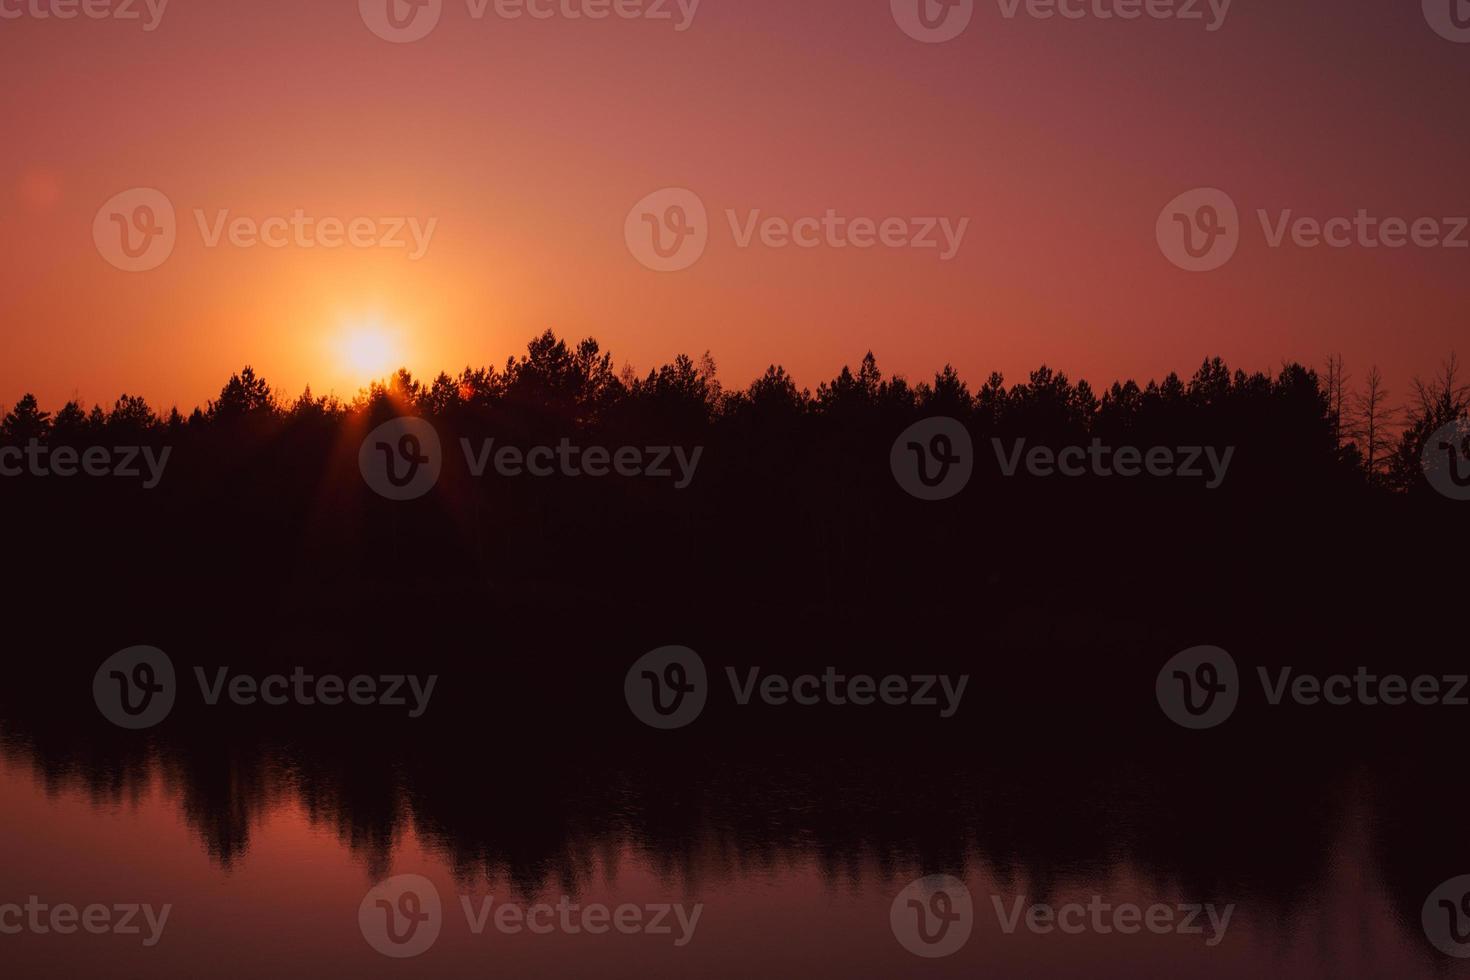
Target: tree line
(1356, 430)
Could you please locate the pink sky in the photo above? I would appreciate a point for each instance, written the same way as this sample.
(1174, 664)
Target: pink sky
(528, 141)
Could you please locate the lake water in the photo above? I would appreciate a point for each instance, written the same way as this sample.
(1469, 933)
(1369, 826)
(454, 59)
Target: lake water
(264, 864)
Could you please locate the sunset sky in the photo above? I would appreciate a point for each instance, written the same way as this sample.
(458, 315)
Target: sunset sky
(528, 142)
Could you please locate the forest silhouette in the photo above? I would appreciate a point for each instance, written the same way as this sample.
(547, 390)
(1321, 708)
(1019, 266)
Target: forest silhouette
(558, 389)
(793, 503)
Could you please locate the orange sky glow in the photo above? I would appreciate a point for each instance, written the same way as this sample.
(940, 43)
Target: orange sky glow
(526, 142)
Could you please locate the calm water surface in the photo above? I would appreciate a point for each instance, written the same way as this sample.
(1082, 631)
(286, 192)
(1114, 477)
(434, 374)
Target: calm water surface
(284, 900)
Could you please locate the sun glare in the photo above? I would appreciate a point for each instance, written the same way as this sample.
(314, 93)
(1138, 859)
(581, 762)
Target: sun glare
(369, 351)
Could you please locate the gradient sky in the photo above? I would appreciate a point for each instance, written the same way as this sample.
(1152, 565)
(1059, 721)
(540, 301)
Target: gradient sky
(529, 141)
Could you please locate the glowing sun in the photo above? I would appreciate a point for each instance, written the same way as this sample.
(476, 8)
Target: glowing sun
(369, 351)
